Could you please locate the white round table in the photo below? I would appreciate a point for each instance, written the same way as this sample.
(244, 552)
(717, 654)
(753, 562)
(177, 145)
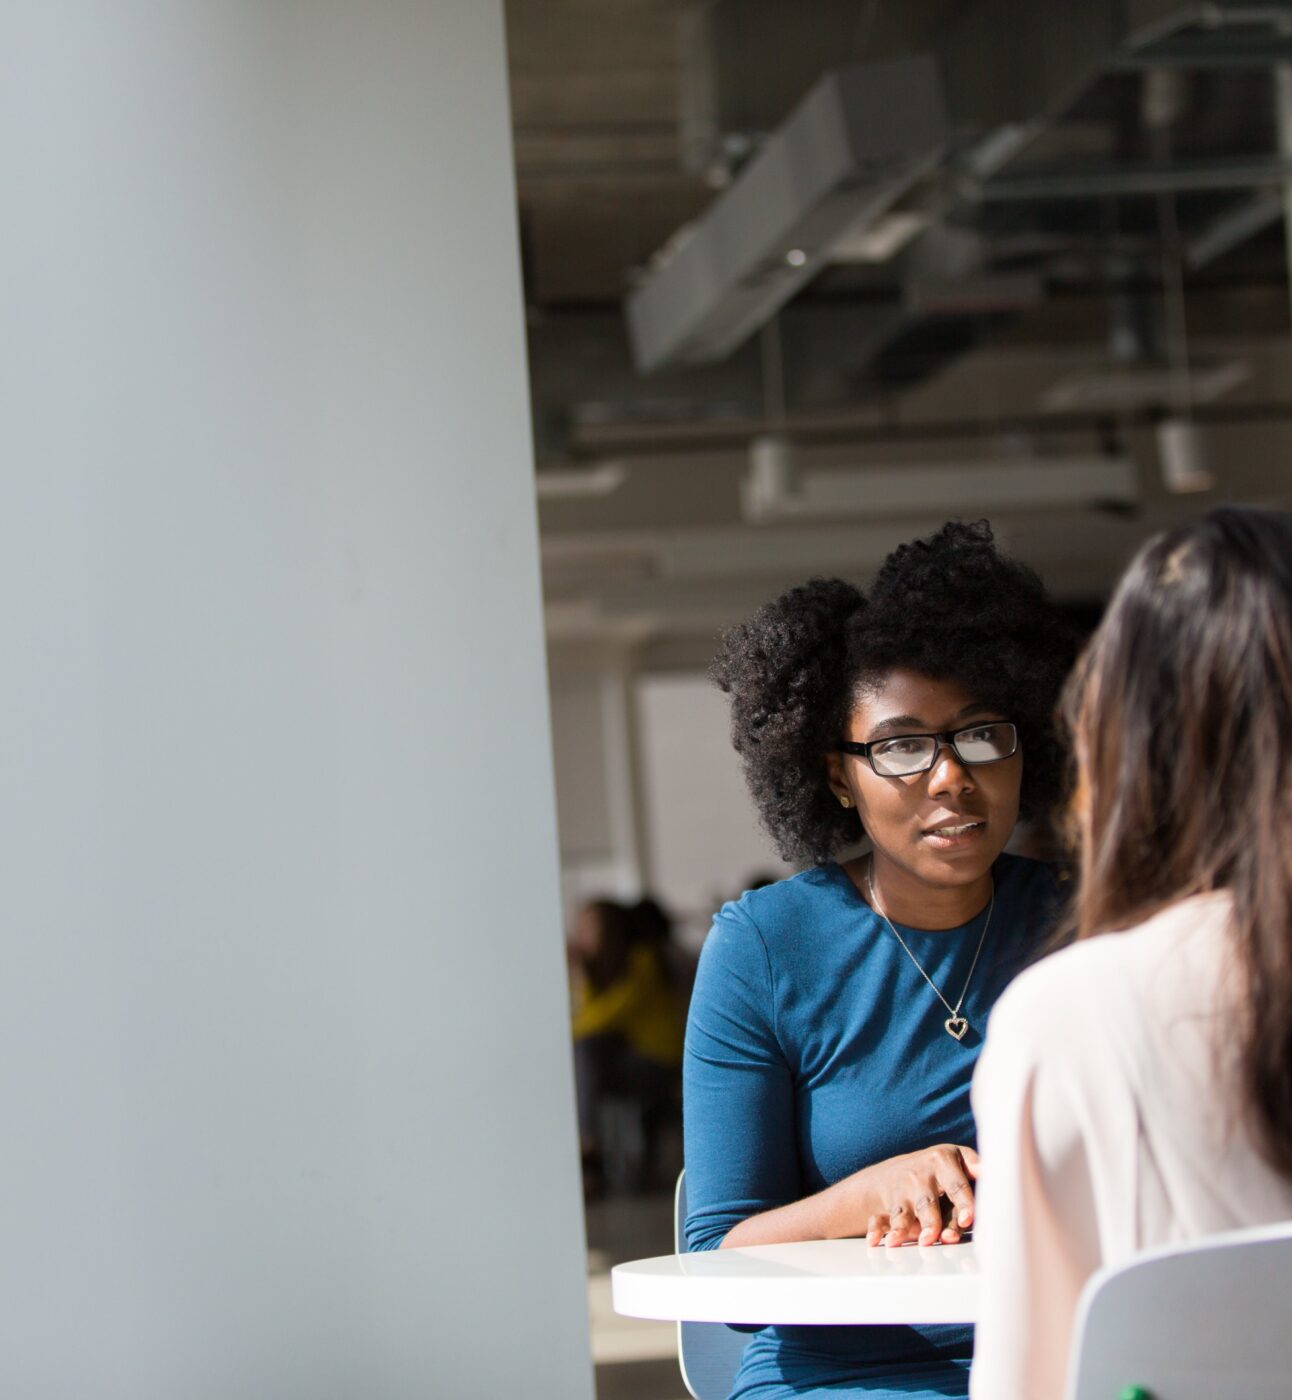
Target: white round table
(820, 1281)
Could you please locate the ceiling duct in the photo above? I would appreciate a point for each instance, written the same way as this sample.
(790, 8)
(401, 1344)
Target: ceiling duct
(1027, 483)
(852, 148)
(1009, 66)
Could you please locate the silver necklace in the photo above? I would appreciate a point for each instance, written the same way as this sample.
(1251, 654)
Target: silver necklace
(956, 1024)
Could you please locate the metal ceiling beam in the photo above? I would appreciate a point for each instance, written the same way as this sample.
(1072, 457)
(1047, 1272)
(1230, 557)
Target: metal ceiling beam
(1233, 227)
(1208, 52)
(1146, 178)
(840, 431)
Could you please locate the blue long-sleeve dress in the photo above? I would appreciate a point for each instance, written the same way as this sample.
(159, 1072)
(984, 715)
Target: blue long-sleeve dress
(814, 1048)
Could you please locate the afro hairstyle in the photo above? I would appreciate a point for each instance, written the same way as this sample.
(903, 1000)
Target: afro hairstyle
(949, 607)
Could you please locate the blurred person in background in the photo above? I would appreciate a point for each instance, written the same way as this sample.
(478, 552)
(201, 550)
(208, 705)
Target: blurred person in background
(1136, 1087)
(627, 1022)
(838, 1014)
(652, 927)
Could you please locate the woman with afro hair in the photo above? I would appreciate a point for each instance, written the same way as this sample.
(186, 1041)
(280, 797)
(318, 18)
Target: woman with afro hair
(837, 1015)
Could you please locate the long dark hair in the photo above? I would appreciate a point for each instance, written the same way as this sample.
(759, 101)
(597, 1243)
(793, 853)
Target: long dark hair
(1180, 712)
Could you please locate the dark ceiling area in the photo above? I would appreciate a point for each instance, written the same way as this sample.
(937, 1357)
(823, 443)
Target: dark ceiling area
(777, 254)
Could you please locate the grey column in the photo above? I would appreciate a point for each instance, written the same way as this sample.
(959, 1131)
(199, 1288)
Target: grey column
(285, 1099)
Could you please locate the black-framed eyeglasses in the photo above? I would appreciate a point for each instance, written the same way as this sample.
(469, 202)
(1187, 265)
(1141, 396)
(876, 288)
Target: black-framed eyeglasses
(905, 754)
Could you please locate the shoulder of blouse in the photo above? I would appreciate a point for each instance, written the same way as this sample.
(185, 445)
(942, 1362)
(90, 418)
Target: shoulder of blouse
(1097, 977)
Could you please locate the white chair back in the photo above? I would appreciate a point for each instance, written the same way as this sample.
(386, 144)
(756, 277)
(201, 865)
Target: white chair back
(1207, 1320)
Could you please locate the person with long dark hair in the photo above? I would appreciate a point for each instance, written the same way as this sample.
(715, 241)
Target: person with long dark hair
(1136, 1087)
(837, 1015)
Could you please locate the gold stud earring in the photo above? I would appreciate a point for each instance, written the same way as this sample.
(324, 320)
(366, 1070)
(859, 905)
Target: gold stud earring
(845, 800)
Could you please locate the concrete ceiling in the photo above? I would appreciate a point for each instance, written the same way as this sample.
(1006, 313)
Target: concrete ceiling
(1106, 215)
(594, 91)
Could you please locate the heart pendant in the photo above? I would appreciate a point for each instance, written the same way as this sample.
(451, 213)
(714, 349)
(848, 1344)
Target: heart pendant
(956, 1027)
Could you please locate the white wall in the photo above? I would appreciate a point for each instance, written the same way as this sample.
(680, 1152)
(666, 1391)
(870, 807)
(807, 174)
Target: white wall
(702, 831)
(284, 1061)
(598, 784)
(651, 798)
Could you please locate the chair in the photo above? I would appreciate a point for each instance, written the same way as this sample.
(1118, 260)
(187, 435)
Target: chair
(641, 1138)
(1207, 1320)
(708, 1352)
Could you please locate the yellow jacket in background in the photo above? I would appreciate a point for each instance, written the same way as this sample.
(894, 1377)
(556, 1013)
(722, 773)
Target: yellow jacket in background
(640, 1006)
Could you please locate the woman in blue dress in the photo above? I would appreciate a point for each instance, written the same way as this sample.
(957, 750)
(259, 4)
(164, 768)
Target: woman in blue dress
(838, 1014)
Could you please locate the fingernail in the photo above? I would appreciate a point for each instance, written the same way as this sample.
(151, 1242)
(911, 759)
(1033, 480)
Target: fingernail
(965, 1217)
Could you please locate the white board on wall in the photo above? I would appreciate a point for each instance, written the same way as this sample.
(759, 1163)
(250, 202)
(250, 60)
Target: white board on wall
(703, 836)
(579, 742)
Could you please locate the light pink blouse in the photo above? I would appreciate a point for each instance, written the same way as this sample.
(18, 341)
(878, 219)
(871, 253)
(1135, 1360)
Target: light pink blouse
(1107, 1106)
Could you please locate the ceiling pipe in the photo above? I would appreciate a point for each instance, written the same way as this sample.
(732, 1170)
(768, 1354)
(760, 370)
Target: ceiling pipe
(729, 437)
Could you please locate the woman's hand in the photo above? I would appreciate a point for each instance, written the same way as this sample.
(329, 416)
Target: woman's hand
(925, 1196)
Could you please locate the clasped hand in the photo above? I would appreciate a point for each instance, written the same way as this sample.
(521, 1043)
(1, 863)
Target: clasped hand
(925, 1196)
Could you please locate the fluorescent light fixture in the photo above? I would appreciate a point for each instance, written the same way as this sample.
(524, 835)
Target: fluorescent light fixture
(880, 240)
(1182, 454)
(771, 477)
(580, 483)
(1140, 388)
(1034, 483)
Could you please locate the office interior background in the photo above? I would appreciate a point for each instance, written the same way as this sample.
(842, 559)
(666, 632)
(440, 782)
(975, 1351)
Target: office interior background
(322, 720)
(1026, 261)
(1047, 284)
